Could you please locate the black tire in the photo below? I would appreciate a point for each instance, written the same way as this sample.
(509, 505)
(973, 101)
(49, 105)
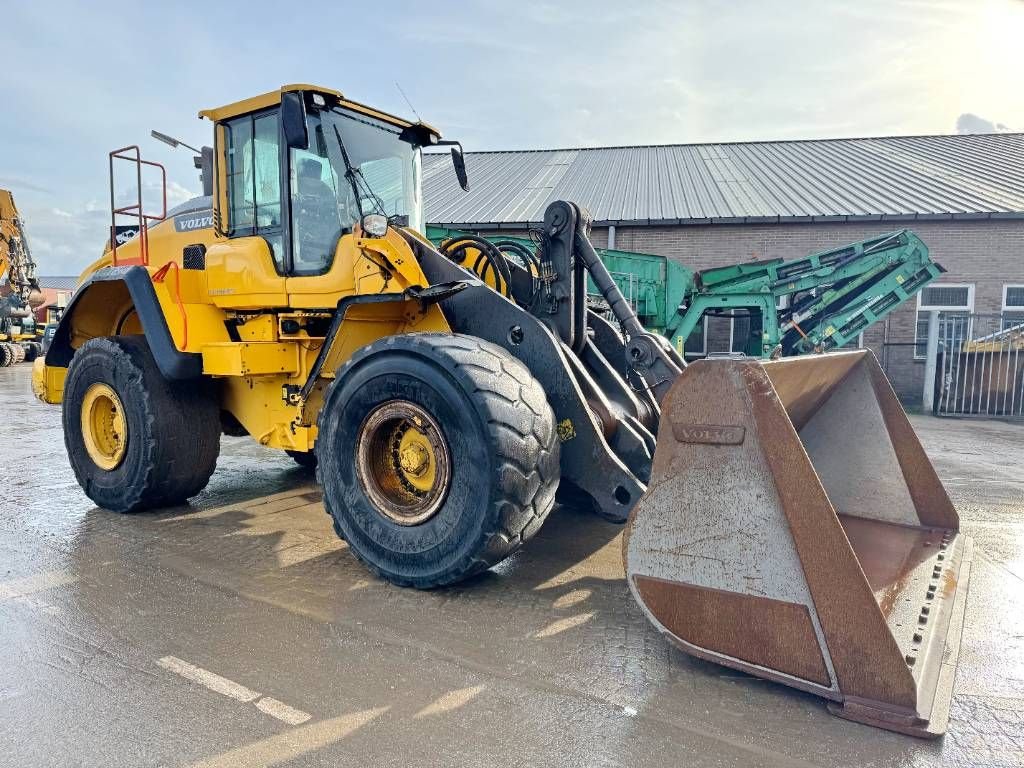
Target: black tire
(173, 429)
(31, 351)
(6, 355)
(499, 430)
(305, 459)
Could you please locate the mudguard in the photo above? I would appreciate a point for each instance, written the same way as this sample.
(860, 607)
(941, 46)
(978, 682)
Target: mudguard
(173, 363)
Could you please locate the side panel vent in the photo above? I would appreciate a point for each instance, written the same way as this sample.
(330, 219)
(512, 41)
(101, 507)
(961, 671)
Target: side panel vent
(194, 256)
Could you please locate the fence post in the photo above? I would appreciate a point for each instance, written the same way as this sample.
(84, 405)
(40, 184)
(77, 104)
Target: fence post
(931, 356)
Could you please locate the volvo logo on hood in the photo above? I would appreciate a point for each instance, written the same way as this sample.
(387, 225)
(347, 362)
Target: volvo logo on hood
(193, 220)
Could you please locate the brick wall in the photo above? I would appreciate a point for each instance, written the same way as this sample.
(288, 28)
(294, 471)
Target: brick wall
(988, 253)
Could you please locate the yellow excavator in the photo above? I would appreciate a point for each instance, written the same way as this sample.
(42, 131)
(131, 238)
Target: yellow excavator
(781, 517)
(21, 295)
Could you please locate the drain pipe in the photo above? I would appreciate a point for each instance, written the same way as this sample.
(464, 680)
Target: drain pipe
(611, 237)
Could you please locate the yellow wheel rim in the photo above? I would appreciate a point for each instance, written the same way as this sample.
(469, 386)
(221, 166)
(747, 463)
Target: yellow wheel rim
(403, 463)
(104, 429)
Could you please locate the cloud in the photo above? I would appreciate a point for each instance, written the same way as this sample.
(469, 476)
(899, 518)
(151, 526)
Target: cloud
(64, 241)
(971, 123)
(15, 183)
(177, 194)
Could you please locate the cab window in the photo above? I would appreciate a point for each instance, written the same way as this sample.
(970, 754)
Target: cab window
(322, 205)
(254, 180)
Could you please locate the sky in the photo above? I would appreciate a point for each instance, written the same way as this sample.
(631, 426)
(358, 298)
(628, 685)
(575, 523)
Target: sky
(81, 79)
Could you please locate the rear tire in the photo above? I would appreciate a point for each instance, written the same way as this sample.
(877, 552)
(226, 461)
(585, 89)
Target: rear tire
(489, 419)
(6, 355)
(171, 430)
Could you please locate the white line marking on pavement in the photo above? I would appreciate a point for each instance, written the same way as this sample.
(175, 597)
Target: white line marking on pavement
(38, 582)
(214, 682)
(208, 679)
(282, 711)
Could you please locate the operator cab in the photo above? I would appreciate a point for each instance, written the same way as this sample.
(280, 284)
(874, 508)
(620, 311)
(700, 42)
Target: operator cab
(302, 167)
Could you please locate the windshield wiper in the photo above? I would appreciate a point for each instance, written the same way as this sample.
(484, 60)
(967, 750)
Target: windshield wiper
(355, 176)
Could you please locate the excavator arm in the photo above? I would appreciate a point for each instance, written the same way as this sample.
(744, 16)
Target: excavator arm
(16, 264)
(21, 294)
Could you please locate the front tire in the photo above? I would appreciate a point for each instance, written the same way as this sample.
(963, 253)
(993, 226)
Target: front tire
(136, 440)
(438, 457)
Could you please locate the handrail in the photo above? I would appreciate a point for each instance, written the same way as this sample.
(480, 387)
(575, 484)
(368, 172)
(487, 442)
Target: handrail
(133, 154)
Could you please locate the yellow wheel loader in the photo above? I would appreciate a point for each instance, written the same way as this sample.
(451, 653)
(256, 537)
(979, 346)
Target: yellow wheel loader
(781, 517)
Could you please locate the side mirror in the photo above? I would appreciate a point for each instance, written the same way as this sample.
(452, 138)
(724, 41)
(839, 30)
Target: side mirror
(293, 120)
(459, 161)
(415, 134)
(205, 163)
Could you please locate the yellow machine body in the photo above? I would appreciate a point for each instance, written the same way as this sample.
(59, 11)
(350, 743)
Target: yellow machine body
(240, 288)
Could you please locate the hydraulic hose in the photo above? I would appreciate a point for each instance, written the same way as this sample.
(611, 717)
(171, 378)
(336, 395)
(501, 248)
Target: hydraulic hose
(490, 256)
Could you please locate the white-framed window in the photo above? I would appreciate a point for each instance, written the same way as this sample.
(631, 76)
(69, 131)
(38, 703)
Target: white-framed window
(739, 329)
(697, 342)
(1013, 306)
(956, 303)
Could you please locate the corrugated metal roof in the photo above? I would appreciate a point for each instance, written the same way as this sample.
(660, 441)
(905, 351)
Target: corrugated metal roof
(59, 282)
(888, 178)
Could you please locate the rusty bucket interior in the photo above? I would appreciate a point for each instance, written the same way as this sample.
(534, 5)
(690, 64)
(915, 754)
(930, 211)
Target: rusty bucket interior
(795, 529)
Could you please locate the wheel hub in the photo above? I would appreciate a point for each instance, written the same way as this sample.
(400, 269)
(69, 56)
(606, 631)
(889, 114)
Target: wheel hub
(403, 463)
(414, 459)
(104, 429)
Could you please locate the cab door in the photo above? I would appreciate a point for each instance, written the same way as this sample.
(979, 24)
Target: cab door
(323, 215)
(246, 270)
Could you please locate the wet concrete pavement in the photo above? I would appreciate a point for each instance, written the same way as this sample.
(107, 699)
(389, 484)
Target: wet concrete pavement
(240, 631)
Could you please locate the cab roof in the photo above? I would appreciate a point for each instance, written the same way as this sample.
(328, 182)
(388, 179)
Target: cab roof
(272, 98)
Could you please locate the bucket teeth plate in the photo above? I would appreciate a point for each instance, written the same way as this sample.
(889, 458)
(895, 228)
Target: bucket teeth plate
(794, 528)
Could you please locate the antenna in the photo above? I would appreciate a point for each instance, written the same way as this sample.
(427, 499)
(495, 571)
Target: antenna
(408, 102)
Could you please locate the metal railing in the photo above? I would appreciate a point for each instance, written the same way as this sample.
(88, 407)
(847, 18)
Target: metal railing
(980, 367)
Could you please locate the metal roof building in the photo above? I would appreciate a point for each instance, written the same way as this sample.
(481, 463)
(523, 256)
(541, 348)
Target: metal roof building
(902, 178)
(59, 282)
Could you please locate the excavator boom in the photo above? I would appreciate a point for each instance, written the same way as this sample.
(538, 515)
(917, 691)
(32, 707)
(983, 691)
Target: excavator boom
(16, 264)
(18, 271)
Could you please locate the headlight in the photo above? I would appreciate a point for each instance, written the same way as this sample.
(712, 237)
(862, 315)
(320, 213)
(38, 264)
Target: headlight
(375, 225)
